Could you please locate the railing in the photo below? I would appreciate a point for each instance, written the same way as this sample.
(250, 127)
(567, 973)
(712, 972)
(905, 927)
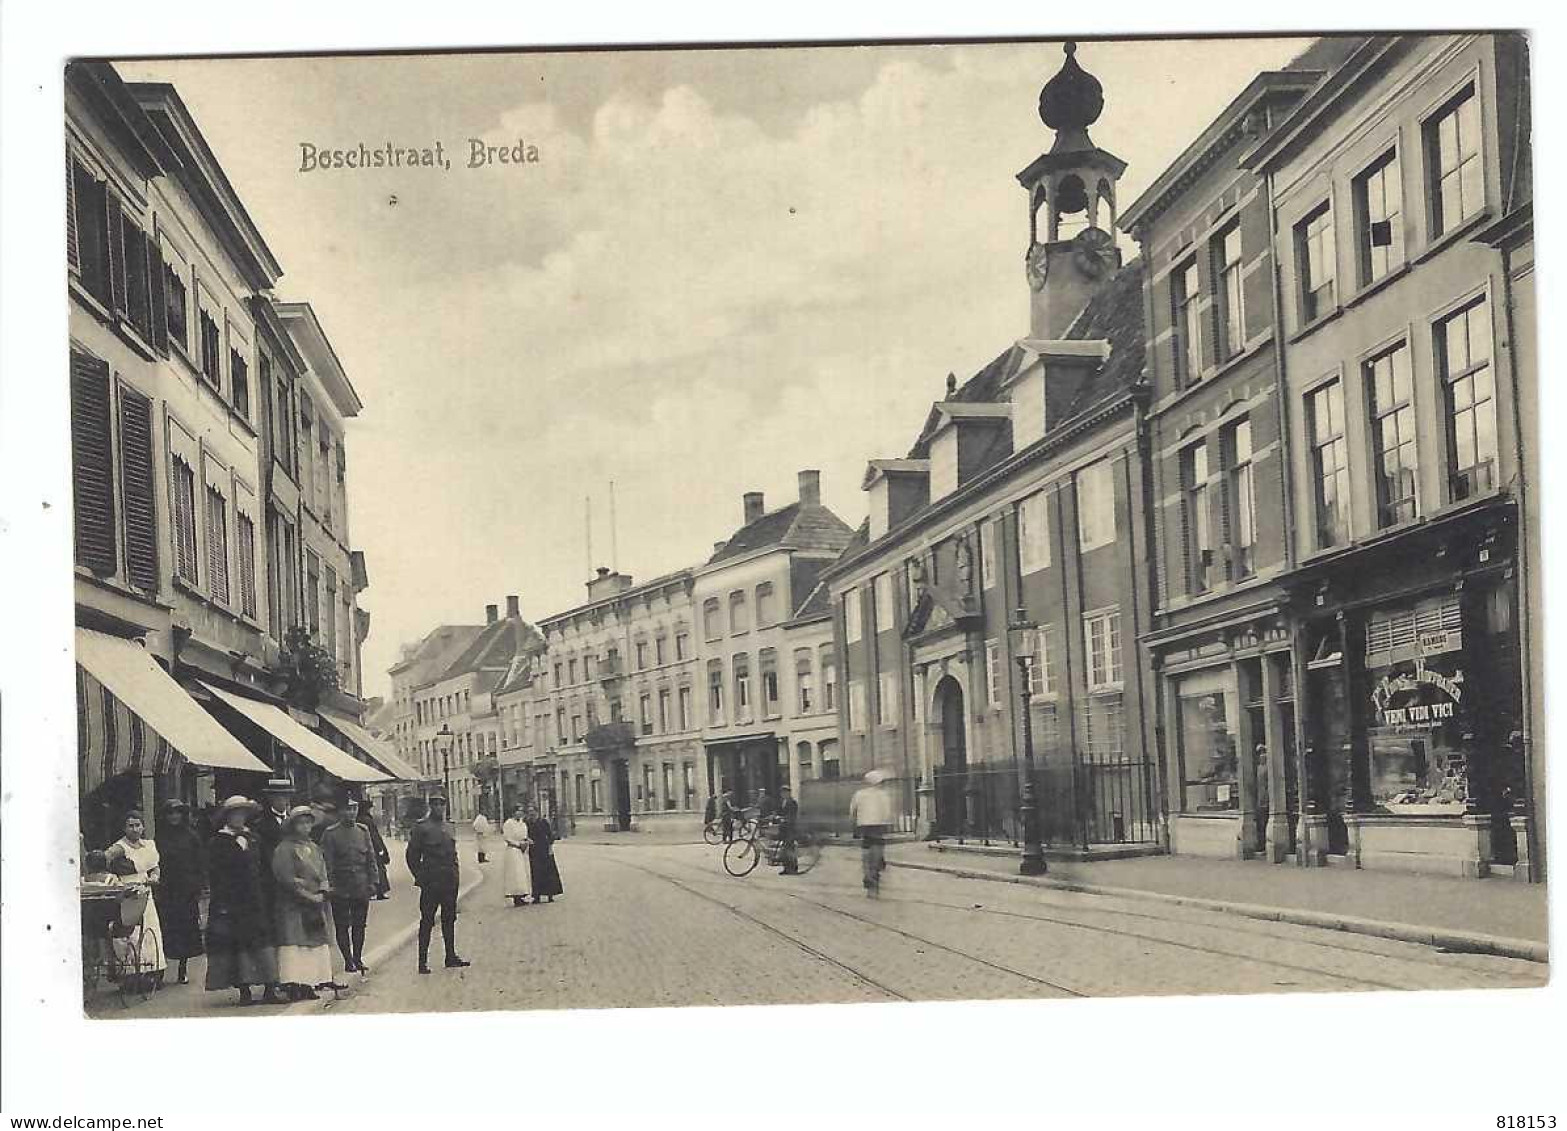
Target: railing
(1092, 800)
(824, 804)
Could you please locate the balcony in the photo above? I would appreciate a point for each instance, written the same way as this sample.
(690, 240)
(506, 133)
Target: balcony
(609, 668)
(609, 737)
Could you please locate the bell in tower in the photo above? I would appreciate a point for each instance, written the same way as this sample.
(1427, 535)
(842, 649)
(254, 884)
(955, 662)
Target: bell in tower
(1071, 203)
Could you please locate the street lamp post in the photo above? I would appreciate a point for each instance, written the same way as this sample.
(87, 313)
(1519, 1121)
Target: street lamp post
(444, 738)
(1024, 637)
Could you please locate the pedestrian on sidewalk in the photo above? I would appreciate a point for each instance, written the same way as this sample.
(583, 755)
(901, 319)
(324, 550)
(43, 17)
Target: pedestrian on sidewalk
(541, 858)
(350, 870)
(302, 918)
(267, 824)
(134, 858)
(432, 859)
(182, 862)
(788, 828)
(870, 812)
(481, 836)
(383, 856)
(518, 872)
(239, 934)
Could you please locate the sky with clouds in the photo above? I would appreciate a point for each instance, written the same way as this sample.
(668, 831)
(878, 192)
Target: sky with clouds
(725, 266)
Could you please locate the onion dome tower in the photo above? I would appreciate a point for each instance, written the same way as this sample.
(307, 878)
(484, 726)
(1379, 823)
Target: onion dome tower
(1071, 186)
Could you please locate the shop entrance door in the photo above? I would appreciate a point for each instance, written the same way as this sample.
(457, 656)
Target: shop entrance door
(952, 774)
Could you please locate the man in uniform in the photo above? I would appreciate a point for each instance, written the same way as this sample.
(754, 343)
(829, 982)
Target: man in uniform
(432, 860)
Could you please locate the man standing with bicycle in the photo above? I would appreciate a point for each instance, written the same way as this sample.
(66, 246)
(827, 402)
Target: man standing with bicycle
(788, 824)
(870, 812)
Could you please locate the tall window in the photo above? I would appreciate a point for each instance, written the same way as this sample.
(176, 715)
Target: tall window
(1033, 533)
(330, 589)
(742, 670)
(660, 647)
(1095, 505)
(239, 377)
(1197, 519)
(715, 691)
(313, 593)
(993, 672)
(881, 589)
(804, 681)
(1379, 223)
(1452, 142)
(92, 464)
(641, 651)
(1185, 290)
(217, 545)
(1243, 500)
(1041, 671)
(766, 605)
(211, 351)
(1102, 644)
(712, 619)
(247, 566)
(887, 700)
(767, 665)
(739, 619)
(683, 700)
(1315, 256)
(829, 668)
(1231, 292)
(663, 710)
(1463, 362)
(682, 645)
(856, 706)
(1393, 434)
(851, 616)
(176, 306)
(1329, 463)
(645, 712)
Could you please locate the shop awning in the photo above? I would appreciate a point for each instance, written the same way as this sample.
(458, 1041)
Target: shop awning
(376, 748)
(306, 743)
(133, 716)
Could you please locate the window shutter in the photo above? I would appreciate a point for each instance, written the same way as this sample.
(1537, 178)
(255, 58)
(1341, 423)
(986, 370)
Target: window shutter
(159, 314)
(73, 251)
(136, 479)
(92, 464)
(91, 224)
(116, 256)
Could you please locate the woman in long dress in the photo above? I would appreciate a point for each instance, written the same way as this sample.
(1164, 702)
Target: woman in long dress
(541, 856)
(183, 866)
(302, 917)
(138, 860)
(239, 936)
(519, 871)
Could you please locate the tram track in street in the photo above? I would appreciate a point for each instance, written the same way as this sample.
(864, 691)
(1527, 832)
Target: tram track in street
(1351, 980)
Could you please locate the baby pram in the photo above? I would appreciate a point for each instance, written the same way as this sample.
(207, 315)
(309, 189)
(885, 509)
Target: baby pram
(115, 945)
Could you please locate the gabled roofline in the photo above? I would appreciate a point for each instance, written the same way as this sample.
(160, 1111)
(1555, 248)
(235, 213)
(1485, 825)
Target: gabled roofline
(202, 173)
(111, 100)
(677, 577)
(262, 308)
(1220, 133)
(881, 468)
(1309, 110)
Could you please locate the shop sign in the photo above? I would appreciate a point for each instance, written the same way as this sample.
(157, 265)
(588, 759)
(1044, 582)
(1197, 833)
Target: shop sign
(1421, 698)
(1437, 643)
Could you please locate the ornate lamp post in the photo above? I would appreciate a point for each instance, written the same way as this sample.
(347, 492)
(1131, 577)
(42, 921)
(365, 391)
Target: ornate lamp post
(444, 739)
(1023, 633)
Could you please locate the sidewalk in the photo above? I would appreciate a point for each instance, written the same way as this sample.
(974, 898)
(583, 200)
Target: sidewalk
(1496, 916)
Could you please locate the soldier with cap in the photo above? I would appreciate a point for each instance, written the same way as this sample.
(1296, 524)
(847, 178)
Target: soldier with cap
(432, 860)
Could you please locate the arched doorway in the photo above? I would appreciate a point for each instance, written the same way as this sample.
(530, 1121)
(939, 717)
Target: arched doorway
(952, 772)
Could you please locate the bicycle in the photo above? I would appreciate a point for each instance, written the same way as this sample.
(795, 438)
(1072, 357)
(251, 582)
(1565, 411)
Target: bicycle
(743, 827)
(742, 855)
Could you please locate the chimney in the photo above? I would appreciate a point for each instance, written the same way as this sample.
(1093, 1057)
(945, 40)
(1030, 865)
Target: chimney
(492, 613)
(717, 546)
(513, 606)
(753, 506)
(810, 486)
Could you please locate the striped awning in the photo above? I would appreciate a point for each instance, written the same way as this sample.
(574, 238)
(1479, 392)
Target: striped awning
(132, 717)
(380, 750)
(304, 742)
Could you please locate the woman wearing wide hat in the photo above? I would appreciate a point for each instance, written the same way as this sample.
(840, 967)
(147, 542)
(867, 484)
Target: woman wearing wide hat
(239, 935)
(302, 917)
(183, 864)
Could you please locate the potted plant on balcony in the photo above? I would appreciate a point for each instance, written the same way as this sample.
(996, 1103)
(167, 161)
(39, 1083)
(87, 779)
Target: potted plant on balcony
(308, 671)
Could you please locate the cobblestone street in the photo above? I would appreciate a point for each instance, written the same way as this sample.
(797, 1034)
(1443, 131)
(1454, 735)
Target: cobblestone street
(666, 926)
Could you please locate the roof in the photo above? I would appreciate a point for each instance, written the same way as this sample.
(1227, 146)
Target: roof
(817, 603)
(519, 675)
(798, 526)
(431, 655)
(495, 647)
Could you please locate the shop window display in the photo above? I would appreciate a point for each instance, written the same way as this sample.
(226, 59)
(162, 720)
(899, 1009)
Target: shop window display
(1210, 755)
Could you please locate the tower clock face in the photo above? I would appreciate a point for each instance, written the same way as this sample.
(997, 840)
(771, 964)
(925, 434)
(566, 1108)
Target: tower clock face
(1093, 252)
(1036, 263)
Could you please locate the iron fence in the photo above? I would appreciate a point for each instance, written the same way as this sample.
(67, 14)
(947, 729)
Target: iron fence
(1103, 799)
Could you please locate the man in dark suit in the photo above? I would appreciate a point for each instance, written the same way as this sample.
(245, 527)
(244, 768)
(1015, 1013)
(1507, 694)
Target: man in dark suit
(788, 826)
(432, 859)
(278, 795)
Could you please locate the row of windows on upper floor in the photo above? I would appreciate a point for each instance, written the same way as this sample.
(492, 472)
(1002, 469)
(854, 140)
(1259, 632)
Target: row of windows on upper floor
(150, 290)
(434, 708)
(739, 621)
(1094, 491)
(1101, 650)
(647, 654)
(1452, 191)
